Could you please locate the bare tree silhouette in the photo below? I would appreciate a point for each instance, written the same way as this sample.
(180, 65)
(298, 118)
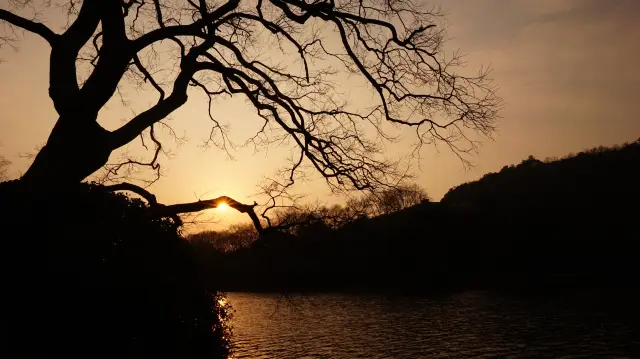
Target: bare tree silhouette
(284, 56)
(4, 168)
(394, 199)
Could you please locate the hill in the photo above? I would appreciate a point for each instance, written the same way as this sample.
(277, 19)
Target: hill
(541, 224)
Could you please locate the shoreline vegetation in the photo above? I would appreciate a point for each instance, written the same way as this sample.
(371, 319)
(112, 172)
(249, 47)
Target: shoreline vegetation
(86, 270)
(97, 262)
(539, 225)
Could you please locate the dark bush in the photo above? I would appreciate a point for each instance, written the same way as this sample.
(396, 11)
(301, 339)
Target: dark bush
(88, 272)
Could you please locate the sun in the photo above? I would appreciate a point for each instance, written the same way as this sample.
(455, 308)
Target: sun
(223, 206)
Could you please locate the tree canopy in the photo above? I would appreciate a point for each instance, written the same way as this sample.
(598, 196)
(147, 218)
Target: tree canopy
(291, 60)
(4, 168)
(285, 57)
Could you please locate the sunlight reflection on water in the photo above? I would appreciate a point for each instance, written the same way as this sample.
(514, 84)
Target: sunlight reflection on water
(469, 325)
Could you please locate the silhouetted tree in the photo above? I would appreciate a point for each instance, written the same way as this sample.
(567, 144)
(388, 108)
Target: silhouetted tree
(535, 225)
(357, 208)
(386, 201)
(246, 48)
(285, 57)
(395, 199)
(235, 237)
(4, 168)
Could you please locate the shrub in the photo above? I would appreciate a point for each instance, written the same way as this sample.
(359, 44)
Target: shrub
(88, 272)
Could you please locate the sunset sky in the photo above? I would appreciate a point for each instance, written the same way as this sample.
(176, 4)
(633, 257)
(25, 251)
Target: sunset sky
(567, 71)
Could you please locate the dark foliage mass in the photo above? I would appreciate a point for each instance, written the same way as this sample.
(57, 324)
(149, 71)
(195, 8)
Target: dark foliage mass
(87, 273)
(560, 223)
(601, 179)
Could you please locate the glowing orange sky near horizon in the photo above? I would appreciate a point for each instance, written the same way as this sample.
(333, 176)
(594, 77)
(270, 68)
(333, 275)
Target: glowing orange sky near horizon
(567, 70)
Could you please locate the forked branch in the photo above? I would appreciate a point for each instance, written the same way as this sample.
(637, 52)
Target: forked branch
(159, 210)
(29, 25)
(287, 59)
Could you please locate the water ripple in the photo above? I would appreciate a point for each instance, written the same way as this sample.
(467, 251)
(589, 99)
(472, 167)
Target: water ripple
(470, 325)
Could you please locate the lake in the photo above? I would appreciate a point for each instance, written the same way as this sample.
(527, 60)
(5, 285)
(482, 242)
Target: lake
(584, 324)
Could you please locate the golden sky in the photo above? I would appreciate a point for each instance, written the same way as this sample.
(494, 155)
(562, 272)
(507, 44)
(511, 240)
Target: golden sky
(567, 71)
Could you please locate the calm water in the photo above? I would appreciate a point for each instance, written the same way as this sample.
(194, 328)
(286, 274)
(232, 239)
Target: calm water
(470, 325)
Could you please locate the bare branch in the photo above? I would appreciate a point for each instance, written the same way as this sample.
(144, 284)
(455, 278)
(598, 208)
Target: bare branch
(63, 81)
(168, 32)
(4, 168)
(295, 62)
(162, 109)
(160, 210)
(29, 25)
(125, 186)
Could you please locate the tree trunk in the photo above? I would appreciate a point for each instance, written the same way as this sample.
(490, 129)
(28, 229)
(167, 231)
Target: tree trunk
(76, 148)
